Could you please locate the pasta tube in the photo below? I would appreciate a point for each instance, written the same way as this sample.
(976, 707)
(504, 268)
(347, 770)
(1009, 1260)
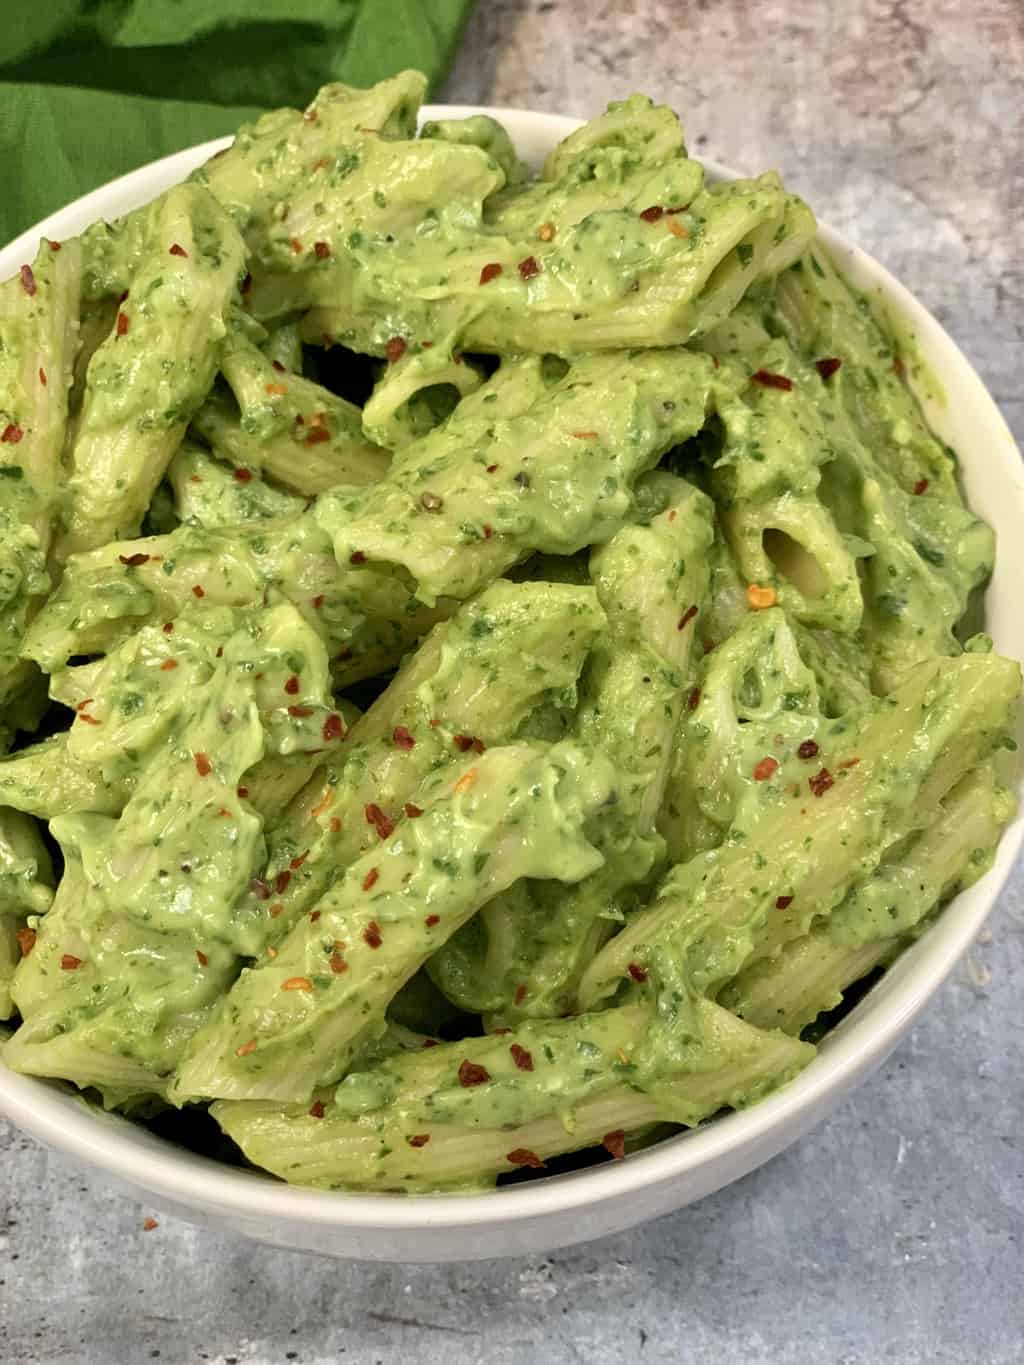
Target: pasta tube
(813, 834)
(511, 812)
(147, 379)
(456, 514)
(561, 1085)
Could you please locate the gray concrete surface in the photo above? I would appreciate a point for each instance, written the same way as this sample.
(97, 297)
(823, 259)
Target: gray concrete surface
(893, 1232)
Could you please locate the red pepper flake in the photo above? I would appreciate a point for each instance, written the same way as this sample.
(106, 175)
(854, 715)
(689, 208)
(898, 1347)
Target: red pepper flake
(295, 245)
(168, 666)
(372, 936)
(402, 738)
(488, 531)
(338, 964)
(686, 618)
(820, 782)
(246, 1048)
(314, 916)
(491, 468)
(807, 748)
(357, 557)
(760, 598)
(243, 475)
(316, 1109)
(281, 881)
(133, 561)
(292, 685)
(676, 228)
(522, 1058)
(381, 822)
(317, 436)
(26, 940)
(370, 880)
(297, 983)
(89, 720)
(472, 1074)
(653, 214)
(431, 1042)
(242, 792)
(198, 590)
(300, 712)
(54, 246)
(490, 272)
(827, 367)
(321, 250)
(201, 958)
(149, 1225)
(520, 994)
(296, 863)
(177, 250)
(693, 700)
(12, 434)
(920, 487)
(585, 435)
(431, 920)
(203, 765)
(849, 763)
(500, 1032)
(615, 1143)
(224, 813)
(770, 380)
(418, 1139)
(528, 268)
(83, 704)
(122, 296)
(335, 825)
(333, 726)
(413, 812)
(70, 963)
(638, 973)
(765, 769)
(897, 366)
(395, 349)
(783, 902)
(318, 601)
(28, 280)
(466, 742)
(42, 376)
(522, 1156)
(122, 324)
(260, 889)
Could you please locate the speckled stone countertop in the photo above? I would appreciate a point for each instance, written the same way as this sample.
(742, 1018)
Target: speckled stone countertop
(893, 1231)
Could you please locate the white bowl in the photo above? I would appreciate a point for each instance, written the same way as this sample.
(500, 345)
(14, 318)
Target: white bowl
(564, 1209)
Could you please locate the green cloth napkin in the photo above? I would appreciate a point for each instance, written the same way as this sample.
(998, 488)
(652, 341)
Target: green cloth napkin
(90, 89)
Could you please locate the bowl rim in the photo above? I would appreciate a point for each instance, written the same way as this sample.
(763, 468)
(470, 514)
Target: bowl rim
(124, 1150)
